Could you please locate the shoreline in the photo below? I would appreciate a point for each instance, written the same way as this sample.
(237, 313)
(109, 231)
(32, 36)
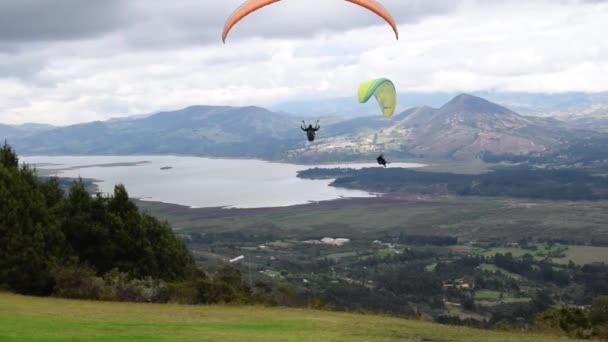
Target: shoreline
(380, 201)
(48, 166)
(418, 163)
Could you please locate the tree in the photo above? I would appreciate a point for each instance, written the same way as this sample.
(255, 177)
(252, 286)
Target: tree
(111, 233)
(8, 157)
(40, 227)
(599, 310)
(29, 235)
(53, 193)
(572, 321)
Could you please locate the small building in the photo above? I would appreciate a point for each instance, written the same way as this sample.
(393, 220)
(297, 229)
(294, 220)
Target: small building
(335, 242)
(460, 284)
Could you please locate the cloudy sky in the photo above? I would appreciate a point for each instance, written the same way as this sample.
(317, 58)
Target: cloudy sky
(70, 61)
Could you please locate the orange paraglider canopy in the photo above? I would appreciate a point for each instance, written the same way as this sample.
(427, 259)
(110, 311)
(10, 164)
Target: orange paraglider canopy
(253, 5)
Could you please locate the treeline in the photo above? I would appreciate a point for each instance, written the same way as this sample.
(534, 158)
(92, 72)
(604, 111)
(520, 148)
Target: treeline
(510, 182)
(76, 245)
(230, 237)
(432, 240)
(41, 229)
(577, 322)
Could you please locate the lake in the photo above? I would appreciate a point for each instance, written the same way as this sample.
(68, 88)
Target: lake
(202, 182)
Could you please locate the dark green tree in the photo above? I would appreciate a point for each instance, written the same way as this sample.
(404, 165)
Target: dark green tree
(8, 157)
(40, 227)
(30, 237)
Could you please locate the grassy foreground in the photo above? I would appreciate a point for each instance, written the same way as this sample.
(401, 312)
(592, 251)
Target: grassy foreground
(46, 319)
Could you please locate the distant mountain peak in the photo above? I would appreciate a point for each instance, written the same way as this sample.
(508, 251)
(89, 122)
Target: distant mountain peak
(255, 107)
(470, 104)
(465, 96)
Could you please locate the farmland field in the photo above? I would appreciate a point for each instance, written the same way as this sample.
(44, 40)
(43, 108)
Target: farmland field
(584, 255)
(469, 219)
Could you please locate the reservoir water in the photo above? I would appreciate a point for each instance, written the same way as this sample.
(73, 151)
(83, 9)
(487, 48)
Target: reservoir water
(202, 182)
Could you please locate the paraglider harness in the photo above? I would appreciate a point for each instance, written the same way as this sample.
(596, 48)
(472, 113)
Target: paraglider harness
(310, 130)
(381, 160)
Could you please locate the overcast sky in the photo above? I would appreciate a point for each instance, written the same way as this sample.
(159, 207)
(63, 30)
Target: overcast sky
(70, 61)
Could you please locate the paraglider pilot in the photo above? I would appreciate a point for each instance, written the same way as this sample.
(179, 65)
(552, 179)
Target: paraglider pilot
(310, 130)
(381, 160)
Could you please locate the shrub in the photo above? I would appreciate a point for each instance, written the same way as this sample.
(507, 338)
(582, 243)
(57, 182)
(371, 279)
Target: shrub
(125, 288)
(78, 282)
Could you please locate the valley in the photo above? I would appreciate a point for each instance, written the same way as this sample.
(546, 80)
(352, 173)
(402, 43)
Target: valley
(505, 219)
(428, 241)
(265, 170)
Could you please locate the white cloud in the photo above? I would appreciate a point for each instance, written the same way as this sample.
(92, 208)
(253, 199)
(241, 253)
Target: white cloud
(540, 46)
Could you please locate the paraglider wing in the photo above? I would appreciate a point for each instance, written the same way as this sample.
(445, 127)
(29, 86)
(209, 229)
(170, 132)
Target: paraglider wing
(375, 7)
(247, 8)
(251, 6)
(384, 91)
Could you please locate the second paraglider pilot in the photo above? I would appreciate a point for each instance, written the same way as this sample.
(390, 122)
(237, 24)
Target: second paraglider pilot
(310, 130)
(381, 160)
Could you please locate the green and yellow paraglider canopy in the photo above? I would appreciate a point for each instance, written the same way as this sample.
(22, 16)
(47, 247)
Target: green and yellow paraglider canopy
(384, 91)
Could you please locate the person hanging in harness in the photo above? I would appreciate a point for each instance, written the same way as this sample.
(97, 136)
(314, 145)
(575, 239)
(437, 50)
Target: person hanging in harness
(310, 130)
(381, 160)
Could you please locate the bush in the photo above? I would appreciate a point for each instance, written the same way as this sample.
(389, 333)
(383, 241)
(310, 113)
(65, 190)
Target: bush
(78, 282)
(601, 331)
(573, 322)
(214, 292)
(127, 289)
(599, 310)
(183, 292)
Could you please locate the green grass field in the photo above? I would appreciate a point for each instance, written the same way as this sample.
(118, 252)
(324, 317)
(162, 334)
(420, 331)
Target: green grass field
(580, 255)
(493, 297)
(47, 319)
(495, 269)
(471, 167)
(584, 255)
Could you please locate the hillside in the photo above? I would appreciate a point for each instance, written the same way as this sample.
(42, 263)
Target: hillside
(468, 125)
(592, 123)
(36, 319)
(463, 128)
(11, 131)
(197, 130)
(8, 131)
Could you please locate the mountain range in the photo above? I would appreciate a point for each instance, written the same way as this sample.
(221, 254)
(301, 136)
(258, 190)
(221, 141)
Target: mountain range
(465, 127)
(197, 130)
(565, 106)
(10, 131)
